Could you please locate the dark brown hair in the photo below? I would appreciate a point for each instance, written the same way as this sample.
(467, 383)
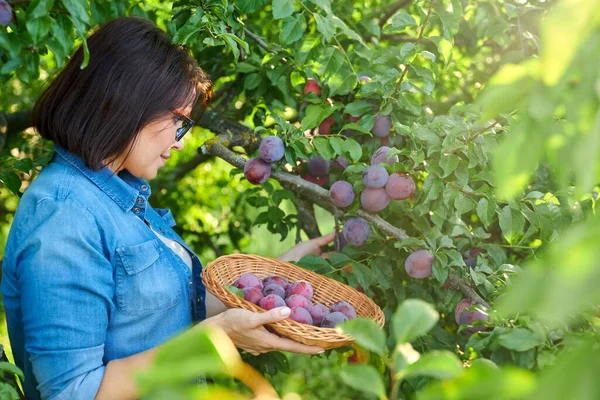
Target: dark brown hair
(135, 75)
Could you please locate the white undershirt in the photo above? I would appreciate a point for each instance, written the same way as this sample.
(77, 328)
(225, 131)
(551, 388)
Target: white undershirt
(177, 248)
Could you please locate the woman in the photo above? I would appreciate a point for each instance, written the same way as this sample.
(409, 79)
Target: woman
(94, 278)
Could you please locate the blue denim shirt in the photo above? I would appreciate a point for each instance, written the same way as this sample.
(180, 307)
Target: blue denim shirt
(85, 280)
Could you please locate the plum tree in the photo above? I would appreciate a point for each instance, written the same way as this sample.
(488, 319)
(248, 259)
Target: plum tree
(400, 186)
(375, 177)
(419, 264)
(312, 86)
(318, 166)
(332, 319)
(5, 13)
(248, 280)
(345, 308)
(301, 314)
(318, 312)
(325, 126)
(297, 300)
(274, 288)
(341, 194)
(253, 294)
(340, 162)
(271, 149)
(381, 156)
(374, 200)
(321, 180)
(468, 317)
(464, 303)
(356, 231)
(383, 124)
(301, 287)
(271, 301)
(257, 171)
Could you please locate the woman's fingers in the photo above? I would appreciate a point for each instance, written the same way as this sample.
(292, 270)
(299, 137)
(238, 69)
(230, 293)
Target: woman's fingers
(273, 315)
(325, 239)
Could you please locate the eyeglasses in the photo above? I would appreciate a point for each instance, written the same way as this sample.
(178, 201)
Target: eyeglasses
(185, 127)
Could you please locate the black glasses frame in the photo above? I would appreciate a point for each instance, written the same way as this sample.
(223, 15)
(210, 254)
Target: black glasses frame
(185, 127)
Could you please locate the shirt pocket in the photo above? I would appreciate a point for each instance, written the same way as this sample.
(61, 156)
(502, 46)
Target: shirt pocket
(145, 281)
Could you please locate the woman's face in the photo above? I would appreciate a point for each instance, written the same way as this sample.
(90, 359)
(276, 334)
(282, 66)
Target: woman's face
(152, 147)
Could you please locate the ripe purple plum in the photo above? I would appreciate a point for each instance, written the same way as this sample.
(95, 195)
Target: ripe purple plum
(301, 314)
(318, 166)
(345, 308)
(248, 280)
(271, 149)
(464, 303)
(419, 264)
(257, 171)
(356, 231)
(297, 300)
(275, 279)
(340, 241)
(318, 312)
(400, 186)
(340, 162)
(5, 13)
(253, 294)
(468, 317)
(374, 200)
(303, 288)
(274, 288)
(383, 124)
(312, 86)
(325, 126)
(271, 301)
(332, 319)
(342, 194)
(375, 177)
(381, 156)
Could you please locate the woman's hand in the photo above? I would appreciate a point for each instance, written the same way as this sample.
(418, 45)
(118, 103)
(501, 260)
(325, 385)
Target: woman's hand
(304, 248)
(245, 329)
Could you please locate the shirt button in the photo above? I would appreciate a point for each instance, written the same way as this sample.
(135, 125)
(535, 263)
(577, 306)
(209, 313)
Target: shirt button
(144, 187)
(136, 210)
(140, 200)
(190, 283)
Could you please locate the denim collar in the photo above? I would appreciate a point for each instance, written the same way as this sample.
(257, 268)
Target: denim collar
(123, 188)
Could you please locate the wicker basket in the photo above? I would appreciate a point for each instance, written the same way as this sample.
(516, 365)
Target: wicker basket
(226, 269)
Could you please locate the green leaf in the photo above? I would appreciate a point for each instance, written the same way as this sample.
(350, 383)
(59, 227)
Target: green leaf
(519, 339)
(39, 8)
(486, 210)
(344, 28)
(435, 364)
(315, 263)
(358, 108)
(249, 6)
(325, 26)
(399, 21)
(353, 149)
(448, 164)
(412, 319)
(38, 28)
(12, 181)
(367, 334)
(511, 223)
(330, 62)
(78, 10)
(323, 147)
(342, 82)
(237, 291)
(292, 29)
(283, 8)
(24, 165)
(8, 392)
(315, 114)
(11, 368)
(363, 377)
(324, 5)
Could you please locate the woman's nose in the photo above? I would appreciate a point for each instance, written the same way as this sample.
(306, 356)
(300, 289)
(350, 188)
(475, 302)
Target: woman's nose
(179, 145)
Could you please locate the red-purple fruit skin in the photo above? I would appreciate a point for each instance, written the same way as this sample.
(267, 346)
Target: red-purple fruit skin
(318, 166)
(271, 301)
(464, 303)
(301, 287)
(375, 177)
(380, 156)
(301, 314)
(342, 194)
(275, 279)
(321, 180)
(271, 149)
(334, 318)
(248, 280)
(318, 311)
(383, 124)
(400, 186)
(374, 200)
(297, 300)
(356, 231)
(345, 308)
(325, 126)
(253, 294)
(274, 288)
(312, 86)
(6, 13)
(257, 171)
(419, 264)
